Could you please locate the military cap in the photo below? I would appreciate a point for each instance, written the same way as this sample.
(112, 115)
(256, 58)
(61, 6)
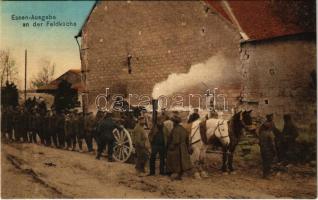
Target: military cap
(176, 117)
(269, 117)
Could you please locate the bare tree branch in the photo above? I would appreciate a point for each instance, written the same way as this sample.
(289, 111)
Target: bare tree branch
(46, 74)
(8, 69)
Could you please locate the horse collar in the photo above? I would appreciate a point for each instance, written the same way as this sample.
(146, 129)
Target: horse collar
(218, 128)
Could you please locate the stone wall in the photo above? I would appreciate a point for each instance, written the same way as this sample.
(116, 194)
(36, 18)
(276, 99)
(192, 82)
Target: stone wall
(277, 79)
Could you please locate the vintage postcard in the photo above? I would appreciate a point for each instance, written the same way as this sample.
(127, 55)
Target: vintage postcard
(158, 99)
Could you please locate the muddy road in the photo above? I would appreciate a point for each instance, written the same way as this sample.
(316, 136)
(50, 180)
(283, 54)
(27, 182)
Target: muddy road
(35, 171)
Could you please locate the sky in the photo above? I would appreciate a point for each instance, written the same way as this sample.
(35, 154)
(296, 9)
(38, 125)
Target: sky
(55, 44)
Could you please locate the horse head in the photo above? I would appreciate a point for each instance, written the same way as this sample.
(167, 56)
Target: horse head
(247, 118)
(241, 120)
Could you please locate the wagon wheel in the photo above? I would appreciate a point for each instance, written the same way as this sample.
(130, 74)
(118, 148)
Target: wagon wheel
(123, 145)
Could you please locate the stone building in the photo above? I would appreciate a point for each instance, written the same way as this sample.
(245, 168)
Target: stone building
(72, 76)
(47, 92)
(130, 46)
(278, 58)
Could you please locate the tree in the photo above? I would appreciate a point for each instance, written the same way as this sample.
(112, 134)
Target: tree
(45, 75)
(8, 70)
(65, 97)
(9, 95)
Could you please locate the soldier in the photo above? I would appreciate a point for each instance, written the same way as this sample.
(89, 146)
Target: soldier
(4, 123)
(80, 132)
(105, 136)
(71, 131)
(41, 121)
(279, 146)
(53, 128)
(290, 133)
(15, 123)
(46, 128)
(10, 121)
(29, 128)
(98, 118)
(194, 116)
(267, 144)
(38, 126)
(142, 148)
(68, 130)
(158, 140)
(89, 126)
(60, 120)
(21, 126)
(178, 157)
(74, 128)
(164, 116)
(33, 126)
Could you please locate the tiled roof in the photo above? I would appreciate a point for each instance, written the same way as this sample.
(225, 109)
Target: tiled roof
(262, 19)
(75, 81)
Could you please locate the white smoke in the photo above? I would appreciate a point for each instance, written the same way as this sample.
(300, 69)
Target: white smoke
(217, 71)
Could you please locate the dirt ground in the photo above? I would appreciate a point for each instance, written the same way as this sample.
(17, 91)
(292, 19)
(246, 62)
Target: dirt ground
(35, 171)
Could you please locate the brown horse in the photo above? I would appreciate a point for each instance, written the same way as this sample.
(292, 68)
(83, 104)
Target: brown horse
(238, 122)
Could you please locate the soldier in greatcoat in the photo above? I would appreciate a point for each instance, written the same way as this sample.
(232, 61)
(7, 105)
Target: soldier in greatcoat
(80, 130)
(290, 133)
(33, 126)
(53, 127)
(41, 121)
(141, 145)
(68, 130)
(7, 120)
(72, 129)
(178, 157)
(105, 136)
(60, 121)
(267, 144)
(98, 118)
(46, 128)
(3, 122)
(158, 140)
(10, 122)
(21, 125)
(89, 126)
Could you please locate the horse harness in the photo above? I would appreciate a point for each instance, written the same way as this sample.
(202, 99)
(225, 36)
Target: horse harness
(196, 130)
(217, 128)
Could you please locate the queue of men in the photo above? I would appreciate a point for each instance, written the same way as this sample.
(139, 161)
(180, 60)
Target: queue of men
(65, 129)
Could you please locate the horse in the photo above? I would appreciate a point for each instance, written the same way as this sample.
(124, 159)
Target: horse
(226, 133)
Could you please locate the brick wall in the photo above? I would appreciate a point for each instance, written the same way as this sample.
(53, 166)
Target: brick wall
(162, 37)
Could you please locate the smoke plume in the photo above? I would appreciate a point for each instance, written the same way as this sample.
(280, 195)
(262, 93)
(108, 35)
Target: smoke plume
(217, 71)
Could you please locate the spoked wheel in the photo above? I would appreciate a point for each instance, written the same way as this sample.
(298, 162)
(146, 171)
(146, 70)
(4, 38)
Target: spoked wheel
(123, 147)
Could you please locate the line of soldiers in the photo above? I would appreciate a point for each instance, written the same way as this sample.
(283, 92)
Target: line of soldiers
(65, 129)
